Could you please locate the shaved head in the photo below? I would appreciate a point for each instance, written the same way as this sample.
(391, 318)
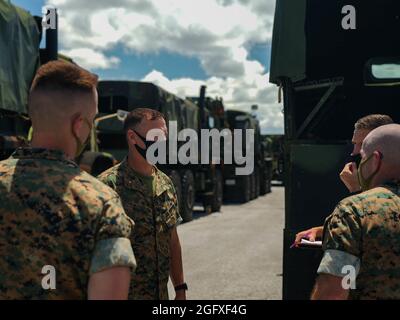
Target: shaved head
(386, 140)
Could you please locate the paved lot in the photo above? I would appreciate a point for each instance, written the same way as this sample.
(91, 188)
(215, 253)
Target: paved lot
(235, 253)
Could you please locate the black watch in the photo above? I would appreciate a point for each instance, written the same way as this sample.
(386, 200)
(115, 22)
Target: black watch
(182, 286)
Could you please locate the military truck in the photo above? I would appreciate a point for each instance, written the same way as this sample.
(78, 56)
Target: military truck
(18, 65)
(275, 141)
(197, 182)
(20, 36)
(248, 187)
(335, 61)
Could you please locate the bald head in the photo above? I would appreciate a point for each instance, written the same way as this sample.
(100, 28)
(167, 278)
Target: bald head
(59, 91)
(386, 140)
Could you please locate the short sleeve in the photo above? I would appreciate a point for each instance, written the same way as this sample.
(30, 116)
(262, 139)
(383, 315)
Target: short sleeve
(176, 205)
(342, 230)
(113, 247)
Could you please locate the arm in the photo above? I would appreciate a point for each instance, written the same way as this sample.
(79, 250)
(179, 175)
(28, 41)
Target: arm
(109, 284)
(176, 264)
(310, 234)
(112, 258)
(329, 287)
(349, 177)
(340, 262)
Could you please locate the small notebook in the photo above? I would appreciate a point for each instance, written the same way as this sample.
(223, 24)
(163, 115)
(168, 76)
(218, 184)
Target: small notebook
(307, 243)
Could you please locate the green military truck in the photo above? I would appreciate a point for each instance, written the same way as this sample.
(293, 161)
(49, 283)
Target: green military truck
(21, 55)
(204, 183)
(20, 36)
(248, 187)
(336, 61)
(275, 142)
(194, 182)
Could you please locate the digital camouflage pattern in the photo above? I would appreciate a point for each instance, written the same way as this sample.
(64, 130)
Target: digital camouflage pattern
(155, 216)
(367, 226)
(52, 213)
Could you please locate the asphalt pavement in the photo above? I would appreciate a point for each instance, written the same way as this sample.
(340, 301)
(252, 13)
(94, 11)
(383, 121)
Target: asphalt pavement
(235, 253)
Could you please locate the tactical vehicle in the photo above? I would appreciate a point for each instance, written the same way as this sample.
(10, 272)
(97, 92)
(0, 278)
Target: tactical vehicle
(204, 183)
(247, 187)
(199, 182)
(331, 75)
(20, 36)
(21, 55)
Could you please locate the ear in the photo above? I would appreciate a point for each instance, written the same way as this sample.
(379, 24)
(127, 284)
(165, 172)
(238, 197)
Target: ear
(131, 137)
(377, 158)
(77, 122)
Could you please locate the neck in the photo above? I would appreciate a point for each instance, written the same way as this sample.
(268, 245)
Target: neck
(47, 141)
(140, 165)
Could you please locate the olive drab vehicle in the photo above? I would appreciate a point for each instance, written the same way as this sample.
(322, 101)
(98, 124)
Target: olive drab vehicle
(336, 62)
(200, 182)
(18, 65)
(247, 187)
(204, 183)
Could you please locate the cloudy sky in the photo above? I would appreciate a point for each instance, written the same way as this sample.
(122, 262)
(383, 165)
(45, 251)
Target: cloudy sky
(177, 44)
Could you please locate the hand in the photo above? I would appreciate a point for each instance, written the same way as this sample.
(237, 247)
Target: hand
(310, 234)
(180, 295)
(349, 177)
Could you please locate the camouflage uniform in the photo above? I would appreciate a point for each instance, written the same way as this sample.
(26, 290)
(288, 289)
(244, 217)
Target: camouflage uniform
(364, 231)
(155, 213)
(52, 213)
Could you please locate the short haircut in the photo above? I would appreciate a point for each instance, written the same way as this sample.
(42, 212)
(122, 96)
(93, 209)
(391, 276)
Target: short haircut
(137, 115)
(372, 122)
(62, 75)
(58, 83)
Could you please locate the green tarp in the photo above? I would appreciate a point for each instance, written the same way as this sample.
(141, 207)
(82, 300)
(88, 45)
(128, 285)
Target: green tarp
(19, 56)
(288, 56)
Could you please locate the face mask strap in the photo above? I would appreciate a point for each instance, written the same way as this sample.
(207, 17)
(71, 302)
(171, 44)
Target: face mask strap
(79, 145)
(365, 183)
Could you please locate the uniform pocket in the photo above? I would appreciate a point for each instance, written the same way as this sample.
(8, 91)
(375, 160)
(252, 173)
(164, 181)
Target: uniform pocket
(168, 210)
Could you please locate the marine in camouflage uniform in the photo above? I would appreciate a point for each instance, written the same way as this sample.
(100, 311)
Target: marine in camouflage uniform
(152, 203)
(364, 232)
(52, 213)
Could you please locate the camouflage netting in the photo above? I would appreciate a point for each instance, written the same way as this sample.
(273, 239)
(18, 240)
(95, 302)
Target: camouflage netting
(19, 56)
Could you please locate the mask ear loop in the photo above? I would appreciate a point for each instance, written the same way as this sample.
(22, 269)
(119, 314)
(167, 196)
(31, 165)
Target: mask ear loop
(380, 160)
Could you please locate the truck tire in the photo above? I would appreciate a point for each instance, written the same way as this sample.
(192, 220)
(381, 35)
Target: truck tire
(257, 181)
(268, 177)
(263, 183)
(176, 180)
(252, 186)
(187, 196)
(217, 199)
(244, 189)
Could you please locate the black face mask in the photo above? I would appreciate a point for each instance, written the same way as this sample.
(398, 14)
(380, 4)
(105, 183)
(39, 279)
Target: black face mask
(357, 159)
(147, 144)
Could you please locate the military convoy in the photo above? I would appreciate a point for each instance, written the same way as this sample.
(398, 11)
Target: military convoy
(208, 184)
(331, 76)
(204, 183)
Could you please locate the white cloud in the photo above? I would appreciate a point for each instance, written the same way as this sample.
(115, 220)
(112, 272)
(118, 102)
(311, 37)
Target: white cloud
(236, 95)
(91, 59)
(218, 33)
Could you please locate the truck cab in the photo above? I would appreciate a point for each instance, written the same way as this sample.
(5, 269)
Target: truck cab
(335, 61)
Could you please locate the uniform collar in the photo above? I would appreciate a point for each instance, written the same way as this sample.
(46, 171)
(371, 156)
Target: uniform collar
(41, 153)
(132, 179)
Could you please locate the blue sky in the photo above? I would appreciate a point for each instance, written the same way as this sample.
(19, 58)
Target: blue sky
(235, 65)
(137, 66)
